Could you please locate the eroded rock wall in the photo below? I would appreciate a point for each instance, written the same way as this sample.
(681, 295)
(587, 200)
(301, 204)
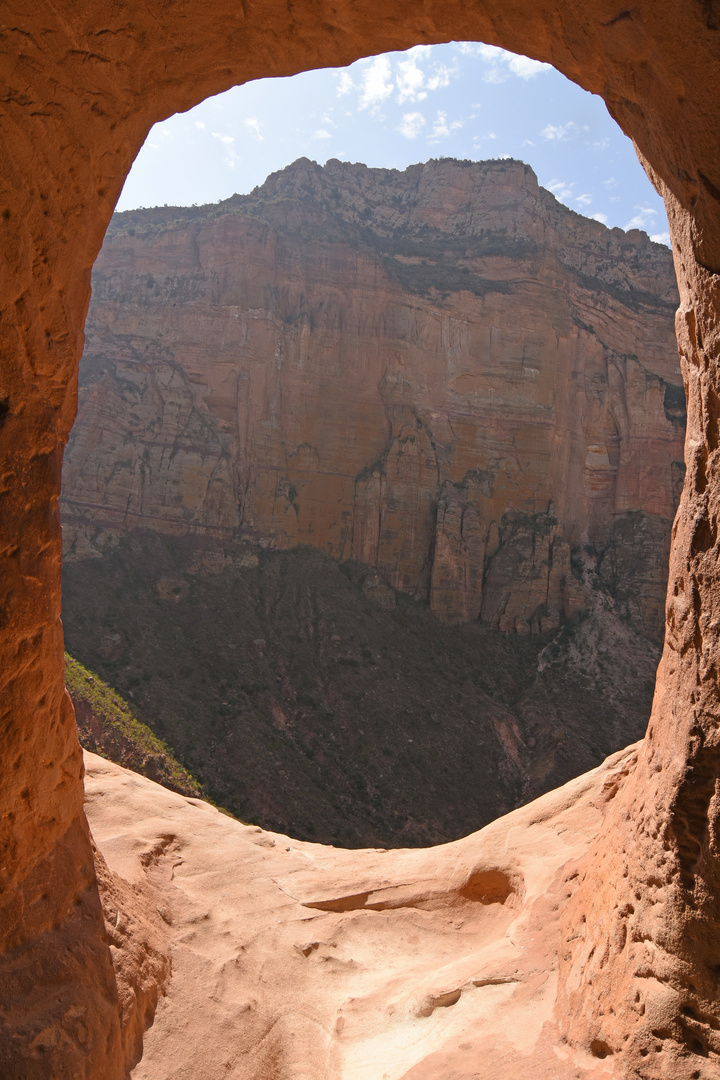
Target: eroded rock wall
(443, 373)
(81, 88)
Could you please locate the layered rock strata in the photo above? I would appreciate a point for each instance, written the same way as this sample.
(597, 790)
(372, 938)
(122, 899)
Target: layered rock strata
(81, 89)
(443, 373)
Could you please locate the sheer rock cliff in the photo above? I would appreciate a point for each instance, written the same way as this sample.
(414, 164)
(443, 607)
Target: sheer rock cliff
(443, 373)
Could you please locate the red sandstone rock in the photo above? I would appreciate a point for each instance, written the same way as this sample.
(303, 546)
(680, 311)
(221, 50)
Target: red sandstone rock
(297, 960)
(443, 373)
(81, 88)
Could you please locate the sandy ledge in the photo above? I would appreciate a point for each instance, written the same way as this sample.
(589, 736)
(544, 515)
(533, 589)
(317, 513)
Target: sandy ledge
(294, 961)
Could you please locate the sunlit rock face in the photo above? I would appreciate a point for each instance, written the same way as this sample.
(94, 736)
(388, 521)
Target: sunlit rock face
(82, 87)
(443, 373)
(299, 960)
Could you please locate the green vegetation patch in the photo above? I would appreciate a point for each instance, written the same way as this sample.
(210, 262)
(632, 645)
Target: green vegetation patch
(108, 726)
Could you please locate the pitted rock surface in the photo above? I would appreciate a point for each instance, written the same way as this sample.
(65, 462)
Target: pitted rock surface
(82, 86)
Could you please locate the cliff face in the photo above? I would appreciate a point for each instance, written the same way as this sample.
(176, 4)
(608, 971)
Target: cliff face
(450, 383)
(443, 373)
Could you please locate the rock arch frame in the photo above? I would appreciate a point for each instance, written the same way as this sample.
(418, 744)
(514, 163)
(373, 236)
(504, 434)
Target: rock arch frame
(81, 88)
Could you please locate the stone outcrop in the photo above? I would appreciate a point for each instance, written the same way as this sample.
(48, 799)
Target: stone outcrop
(81, 88)
(296, 960)
(443, 373)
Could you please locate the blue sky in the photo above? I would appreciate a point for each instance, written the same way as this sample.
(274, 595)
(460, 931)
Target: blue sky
(463, 100)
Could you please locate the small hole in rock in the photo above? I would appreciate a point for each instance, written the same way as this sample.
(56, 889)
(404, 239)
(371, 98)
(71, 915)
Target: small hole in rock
(703, 538)
(701, 475)
(488, 887)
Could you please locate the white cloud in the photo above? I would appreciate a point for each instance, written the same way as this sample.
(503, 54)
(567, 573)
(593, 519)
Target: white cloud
(410, 81)
(420, 50)
(559, 132)
(584, 199)
(500, 64)
(441, 128)
(644, 219)
(253, 125)
(602, 218)
(661, 238)
(230, 159)
(441, 78)
(377, 84)
(560, 189)
(199, 124)
(322, 134)
(495, 74)
(411, 125)
(490, 52)
(414, 84)
(611, 182)
(345, 84)
(524, 67)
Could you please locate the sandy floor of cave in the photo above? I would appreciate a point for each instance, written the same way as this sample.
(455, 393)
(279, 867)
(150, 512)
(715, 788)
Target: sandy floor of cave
(293, 961)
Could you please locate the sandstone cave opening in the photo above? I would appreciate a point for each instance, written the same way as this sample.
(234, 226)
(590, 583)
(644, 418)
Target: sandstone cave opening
(367, 505)
(634, 940)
